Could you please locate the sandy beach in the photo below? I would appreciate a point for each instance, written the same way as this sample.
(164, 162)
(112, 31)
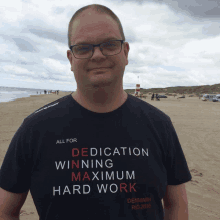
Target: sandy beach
(197, 124)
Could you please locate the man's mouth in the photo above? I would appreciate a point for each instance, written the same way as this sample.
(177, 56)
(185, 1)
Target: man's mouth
(100, 68)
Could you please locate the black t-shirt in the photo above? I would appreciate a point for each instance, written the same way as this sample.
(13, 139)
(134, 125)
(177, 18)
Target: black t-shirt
(79, 164)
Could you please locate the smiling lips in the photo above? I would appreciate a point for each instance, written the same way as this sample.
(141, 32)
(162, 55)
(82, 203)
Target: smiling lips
(99, 68)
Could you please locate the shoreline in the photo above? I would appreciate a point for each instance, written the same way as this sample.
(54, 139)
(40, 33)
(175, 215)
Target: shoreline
(42, 96)
(61, 94)
(34, 95)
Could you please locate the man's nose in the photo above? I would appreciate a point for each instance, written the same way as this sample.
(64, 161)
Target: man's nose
(97, 52)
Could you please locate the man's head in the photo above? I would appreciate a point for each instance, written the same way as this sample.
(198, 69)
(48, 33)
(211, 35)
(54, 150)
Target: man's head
(95, 24)
(99, 9)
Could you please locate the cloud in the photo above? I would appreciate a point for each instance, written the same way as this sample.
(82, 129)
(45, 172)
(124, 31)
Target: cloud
(171, 42)
(198, 9)
(57, 56)
(24, 45)
(17, 70)
(54, 64)
(58, 10)
(48, 34)
(211, 29)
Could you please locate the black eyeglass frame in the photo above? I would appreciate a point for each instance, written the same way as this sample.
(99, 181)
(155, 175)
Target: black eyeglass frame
(96, 45)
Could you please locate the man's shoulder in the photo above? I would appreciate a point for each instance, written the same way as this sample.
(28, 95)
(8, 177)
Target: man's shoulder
(57, 107)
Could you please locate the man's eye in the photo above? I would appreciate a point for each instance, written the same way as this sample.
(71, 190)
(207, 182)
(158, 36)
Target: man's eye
(109, 44)
(84, 48)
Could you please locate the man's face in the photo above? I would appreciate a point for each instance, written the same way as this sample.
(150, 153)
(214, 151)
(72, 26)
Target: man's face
(93, 28)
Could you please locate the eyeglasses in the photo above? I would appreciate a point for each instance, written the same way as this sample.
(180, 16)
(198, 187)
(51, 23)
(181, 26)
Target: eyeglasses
(85, 51)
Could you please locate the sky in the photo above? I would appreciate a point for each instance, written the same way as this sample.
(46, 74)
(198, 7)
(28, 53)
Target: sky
(172, 43)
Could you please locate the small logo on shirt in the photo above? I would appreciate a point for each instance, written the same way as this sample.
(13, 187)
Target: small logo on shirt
(66, 141)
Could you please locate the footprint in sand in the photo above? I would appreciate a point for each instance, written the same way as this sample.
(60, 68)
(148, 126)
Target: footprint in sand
(195, 172)
(194, 182)
(23, 212)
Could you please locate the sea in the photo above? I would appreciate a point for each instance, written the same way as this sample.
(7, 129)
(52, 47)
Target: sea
(9, 94)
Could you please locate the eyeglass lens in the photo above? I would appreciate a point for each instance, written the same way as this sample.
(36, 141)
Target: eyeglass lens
(108, 49)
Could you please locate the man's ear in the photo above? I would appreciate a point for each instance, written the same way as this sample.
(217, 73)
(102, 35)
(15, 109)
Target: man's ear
(69, 56)
(126, 50)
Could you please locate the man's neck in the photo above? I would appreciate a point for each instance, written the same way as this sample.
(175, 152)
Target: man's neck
(101, 102)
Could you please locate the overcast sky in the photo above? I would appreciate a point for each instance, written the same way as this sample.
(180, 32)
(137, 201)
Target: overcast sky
(172, 43)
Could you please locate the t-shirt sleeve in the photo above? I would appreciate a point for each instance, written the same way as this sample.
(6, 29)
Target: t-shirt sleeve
(176, 165)
(15, 173)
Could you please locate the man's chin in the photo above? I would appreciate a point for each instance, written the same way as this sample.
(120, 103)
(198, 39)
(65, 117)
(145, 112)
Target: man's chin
(101, 83)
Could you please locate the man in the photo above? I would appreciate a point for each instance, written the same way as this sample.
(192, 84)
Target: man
(98, 153)
(152, 98)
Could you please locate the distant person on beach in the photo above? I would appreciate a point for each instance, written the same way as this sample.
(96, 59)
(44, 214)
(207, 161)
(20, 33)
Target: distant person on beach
(152, 98)
(98, 153)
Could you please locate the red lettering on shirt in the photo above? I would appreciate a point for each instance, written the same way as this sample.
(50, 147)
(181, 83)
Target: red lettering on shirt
(84, 150)
(123, 187)
(74, 163)
(86, 175)
(75, 149)
(74, 177)
(132, 187)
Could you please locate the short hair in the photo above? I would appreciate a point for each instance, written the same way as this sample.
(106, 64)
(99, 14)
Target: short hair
(101, 9)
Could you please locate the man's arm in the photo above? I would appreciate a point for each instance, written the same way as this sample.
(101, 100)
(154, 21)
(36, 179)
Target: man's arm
(10, 204)
(176, 203)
